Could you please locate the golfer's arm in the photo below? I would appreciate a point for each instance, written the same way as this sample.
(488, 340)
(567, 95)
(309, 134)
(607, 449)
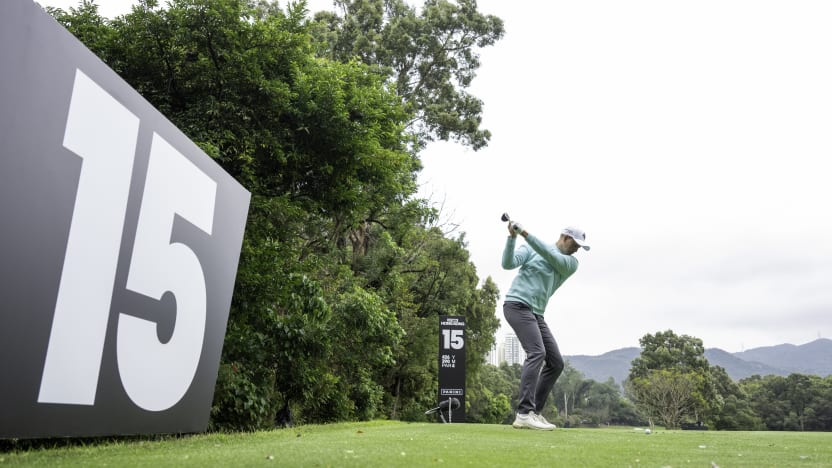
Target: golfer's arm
(564, 264)
(510, 260)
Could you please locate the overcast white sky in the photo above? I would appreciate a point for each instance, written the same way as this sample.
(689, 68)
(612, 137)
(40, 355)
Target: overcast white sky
(690, 139)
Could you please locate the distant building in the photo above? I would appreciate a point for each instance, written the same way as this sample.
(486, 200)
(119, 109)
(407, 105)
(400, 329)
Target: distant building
(514, 353)
(495, 356)
(492, 354)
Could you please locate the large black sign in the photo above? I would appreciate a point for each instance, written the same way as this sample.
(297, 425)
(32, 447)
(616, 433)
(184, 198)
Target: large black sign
(119, 243)
(452, 367)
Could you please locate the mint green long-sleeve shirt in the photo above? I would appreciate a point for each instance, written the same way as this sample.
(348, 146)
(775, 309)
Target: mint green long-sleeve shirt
(543, 268)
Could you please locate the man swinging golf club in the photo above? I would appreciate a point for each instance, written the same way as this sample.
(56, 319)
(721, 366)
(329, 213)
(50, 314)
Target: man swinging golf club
(543, 268)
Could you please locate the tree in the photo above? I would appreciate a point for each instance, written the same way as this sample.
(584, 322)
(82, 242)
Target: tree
(822, 405)
(800, 391)
(88, 26)
(625, 412)
(365, 334)
(568, 390)
(666, 396)
(488, 396)
(664, 357)
(765, 395)
(430, 57)
(601, 402)
(423, 276)
(793, 403)
(481, 324)
(734, 411)
(666, 350)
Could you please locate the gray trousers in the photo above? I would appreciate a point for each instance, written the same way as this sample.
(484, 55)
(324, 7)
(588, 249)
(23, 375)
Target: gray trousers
(541, 353)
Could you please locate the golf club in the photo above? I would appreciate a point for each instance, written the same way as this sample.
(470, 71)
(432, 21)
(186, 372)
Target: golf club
(448, 406)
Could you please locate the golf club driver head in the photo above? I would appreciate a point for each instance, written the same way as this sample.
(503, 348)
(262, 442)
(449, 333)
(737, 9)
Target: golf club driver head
(444, 404)
(516, 228)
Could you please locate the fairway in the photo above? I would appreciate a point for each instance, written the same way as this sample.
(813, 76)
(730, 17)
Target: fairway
(390, 443)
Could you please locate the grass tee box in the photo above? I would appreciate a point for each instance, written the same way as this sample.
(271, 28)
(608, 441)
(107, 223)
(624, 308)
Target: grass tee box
(387, 444)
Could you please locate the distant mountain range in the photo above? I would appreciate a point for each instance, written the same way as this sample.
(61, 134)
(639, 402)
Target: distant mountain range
(814, 358)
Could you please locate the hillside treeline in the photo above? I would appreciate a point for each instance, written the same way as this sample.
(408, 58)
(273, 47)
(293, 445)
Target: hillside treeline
(671, 384)
(344, 270)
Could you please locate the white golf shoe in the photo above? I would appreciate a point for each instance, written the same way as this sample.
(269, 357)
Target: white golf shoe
(543, 420)
(531, 421)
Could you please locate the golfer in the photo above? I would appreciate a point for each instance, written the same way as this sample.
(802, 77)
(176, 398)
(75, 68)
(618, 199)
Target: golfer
(543, 268)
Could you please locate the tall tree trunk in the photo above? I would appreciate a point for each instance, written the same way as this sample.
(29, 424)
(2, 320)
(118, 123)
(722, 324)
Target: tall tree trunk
(396, 399)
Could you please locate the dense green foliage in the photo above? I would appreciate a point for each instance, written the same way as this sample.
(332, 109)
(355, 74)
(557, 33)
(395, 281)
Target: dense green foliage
(430, 56)
(343, 272)
(794, 403)
(582, 401)
(672, 383)
(575, 400)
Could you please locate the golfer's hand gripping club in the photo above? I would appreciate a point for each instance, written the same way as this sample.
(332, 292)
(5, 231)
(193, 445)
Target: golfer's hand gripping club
(516, 228)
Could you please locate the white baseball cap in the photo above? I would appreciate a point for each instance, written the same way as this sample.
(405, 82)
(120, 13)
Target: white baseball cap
(578, 235)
